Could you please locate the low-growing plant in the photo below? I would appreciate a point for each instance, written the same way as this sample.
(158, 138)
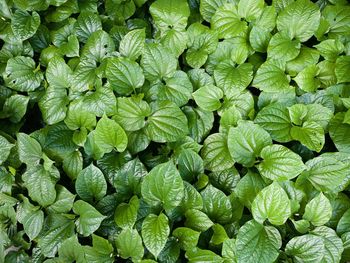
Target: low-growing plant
(174, 131)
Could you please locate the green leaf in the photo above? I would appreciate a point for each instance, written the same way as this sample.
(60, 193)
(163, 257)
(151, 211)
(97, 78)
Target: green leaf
(306, 57)
(152, 62)
(132, 44)
(229, 76)
(21, 74)
(318, 211)
(86, 24)
(101, 251)
(229, 249)
(58, 73)
(307, 248)
(311, 134)
(208, 97)
(215, 153)
(126, 214)
(191, 200)
(155, 232)
(31, 217)
(250, 9)
(279, 163)
(219, 235)
(325, 172)
(257, 243)
(190, 165)
(344, 223)
(110, 135)
(170, 14)
(332, 243)
(98, 46)
(167, 123)
(280, 44)
(208, 7)
(71, 250)
(271, 203)
(338, 131)
(197, 255)
(163, 186)
(64, 201)
(5, 147)
(84, 76)
(246, 141)
(270, 77)
(299, 20)
(307, 79)
(227, 21)
(197, 220)
(58, 228)
(53, 105)
(73, 164)
(24, 25)
(132, 112)
(330, 48)
(216, 205)
(91, 184)
(342, 67)
(275, 119)
(124, 75)
(127, 179)
(177, 89)
(186, 237)
(41, 184)
(15, 107)
(129, 244)
(89, 218)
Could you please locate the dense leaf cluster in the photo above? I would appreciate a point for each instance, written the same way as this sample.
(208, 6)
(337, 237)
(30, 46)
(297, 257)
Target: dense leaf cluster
(174, 131)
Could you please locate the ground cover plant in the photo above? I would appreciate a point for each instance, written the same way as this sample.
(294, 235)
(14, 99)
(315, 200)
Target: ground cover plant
(174, 131)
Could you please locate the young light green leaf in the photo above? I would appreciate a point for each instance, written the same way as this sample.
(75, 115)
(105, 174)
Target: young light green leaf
(215, 153)
(132, 113)
(126, 214)
(21, 75)
(129, 244)
(197, 255)
(280, 44)
(132, 44)
(71, 250)
(163, 186)
(110, 135)
(257, 243)
(342, 67)
(124, 75)
(275, 119)
(5, 147)
(86, 24)
(41, 184)
(227, 21)
(208, 97)
(98, 46)
(197, 220)
(167, 123)
(170, 14)
(153, 62)
(89, 218)
(155, 231)
(279, 163)
(216, 205)
(246, 141)
(64, 201)
(101, 251)
(186, 237)
(318, 211)
(307, 248)
(299, 20)
(271, 203)
(311, 134)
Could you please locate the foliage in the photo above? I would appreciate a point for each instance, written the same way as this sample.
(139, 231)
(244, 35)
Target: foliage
(174, 131)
